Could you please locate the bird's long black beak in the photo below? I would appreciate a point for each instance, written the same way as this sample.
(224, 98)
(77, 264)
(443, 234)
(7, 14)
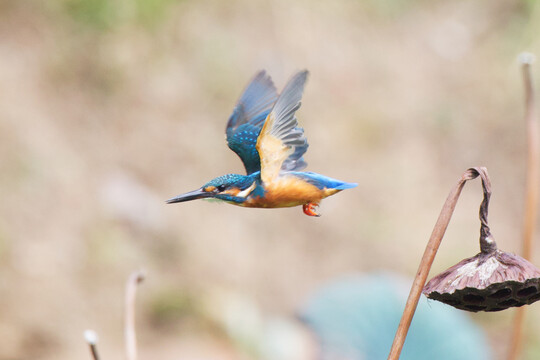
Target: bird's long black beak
(192, 195)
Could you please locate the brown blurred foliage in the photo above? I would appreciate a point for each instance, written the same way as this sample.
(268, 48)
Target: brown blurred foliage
(107, 108)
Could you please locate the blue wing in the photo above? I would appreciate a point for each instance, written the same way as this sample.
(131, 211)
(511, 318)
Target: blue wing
(248, 117)
(247, 120)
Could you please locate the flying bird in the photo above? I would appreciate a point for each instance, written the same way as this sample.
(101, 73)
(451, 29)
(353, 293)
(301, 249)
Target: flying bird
(263, 131)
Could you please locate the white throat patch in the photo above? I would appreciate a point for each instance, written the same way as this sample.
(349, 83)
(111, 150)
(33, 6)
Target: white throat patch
(247, 191)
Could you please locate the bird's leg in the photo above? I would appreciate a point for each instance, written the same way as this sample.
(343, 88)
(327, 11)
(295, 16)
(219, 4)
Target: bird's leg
(310, 209)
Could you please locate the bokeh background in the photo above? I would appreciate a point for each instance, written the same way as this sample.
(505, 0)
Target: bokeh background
(108, 108)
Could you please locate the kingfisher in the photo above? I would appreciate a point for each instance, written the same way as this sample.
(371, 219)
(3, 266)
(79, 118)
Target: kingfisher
(263, 131)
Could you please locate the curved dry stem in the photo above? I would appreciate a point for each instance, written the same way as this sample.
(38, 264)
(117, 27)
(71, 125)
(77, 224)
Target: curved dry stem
(432, 248)
(487, 243)
(129, 328)
(531, 192)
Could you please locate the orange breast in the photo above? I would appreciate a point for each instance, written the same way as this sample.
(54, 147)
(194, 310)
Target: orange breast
(289, 191)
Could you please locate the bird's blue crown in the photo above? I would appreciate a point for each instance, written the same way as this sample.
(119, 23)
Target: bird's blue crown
(231, 180)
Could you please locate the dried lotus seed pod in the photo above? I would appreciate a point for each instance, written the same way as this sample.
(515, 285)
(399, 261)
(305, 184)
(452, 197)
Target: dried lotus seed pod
(487, 282)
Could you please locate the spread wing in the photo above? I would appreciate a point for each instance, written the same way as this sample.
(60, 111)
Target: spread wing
(248, 117)
(281, 142)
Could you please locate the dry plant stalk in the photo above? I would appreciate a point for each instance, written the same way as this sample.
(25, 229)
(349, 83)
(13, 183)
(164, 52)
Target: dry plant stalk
(91, 338)
(426, 262)
(517, 287)
(129, 328)
(129, 325)
(531, 192)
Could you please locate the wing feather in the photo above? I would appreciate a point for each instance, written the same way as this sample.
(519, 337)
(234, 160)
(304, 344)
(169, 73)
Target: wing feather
(281, 142)
(247, 119)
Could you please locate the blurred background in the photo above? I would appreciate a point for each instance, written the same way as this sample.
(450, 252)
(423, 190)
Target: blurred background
(108, 108)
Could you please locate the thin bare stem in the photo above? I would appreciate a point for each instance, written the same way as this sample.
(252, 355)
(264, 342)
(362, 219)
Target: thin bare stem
(91, 338)
(427, 260)
(533, 156)
(531, 192)
(129, 328)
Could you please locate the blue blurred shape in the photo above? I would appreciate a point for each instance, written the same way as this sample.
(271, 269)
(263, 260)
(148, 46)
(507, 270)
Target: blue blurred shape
(356, 317)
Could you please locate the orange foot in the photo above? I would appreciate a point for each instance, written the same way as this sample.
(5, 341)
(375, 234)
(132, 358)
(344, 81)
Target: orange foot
(310, 209)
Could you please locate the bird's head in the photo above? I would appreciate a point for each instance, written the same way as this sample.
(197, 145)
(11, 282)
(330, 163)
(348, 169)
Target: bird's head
(225, 187)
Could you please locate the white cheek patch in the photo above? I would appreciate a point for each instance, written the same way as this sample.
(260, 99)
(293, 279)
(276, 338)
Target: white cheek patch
(247, 191)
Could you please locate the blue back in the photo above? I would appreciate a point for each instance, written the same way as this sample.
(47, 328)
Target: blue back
(321, 181)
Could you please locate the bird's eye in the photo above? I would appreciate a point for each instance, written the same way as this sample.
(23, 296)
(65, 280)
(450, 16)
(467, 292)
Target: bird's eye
(221, 188)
